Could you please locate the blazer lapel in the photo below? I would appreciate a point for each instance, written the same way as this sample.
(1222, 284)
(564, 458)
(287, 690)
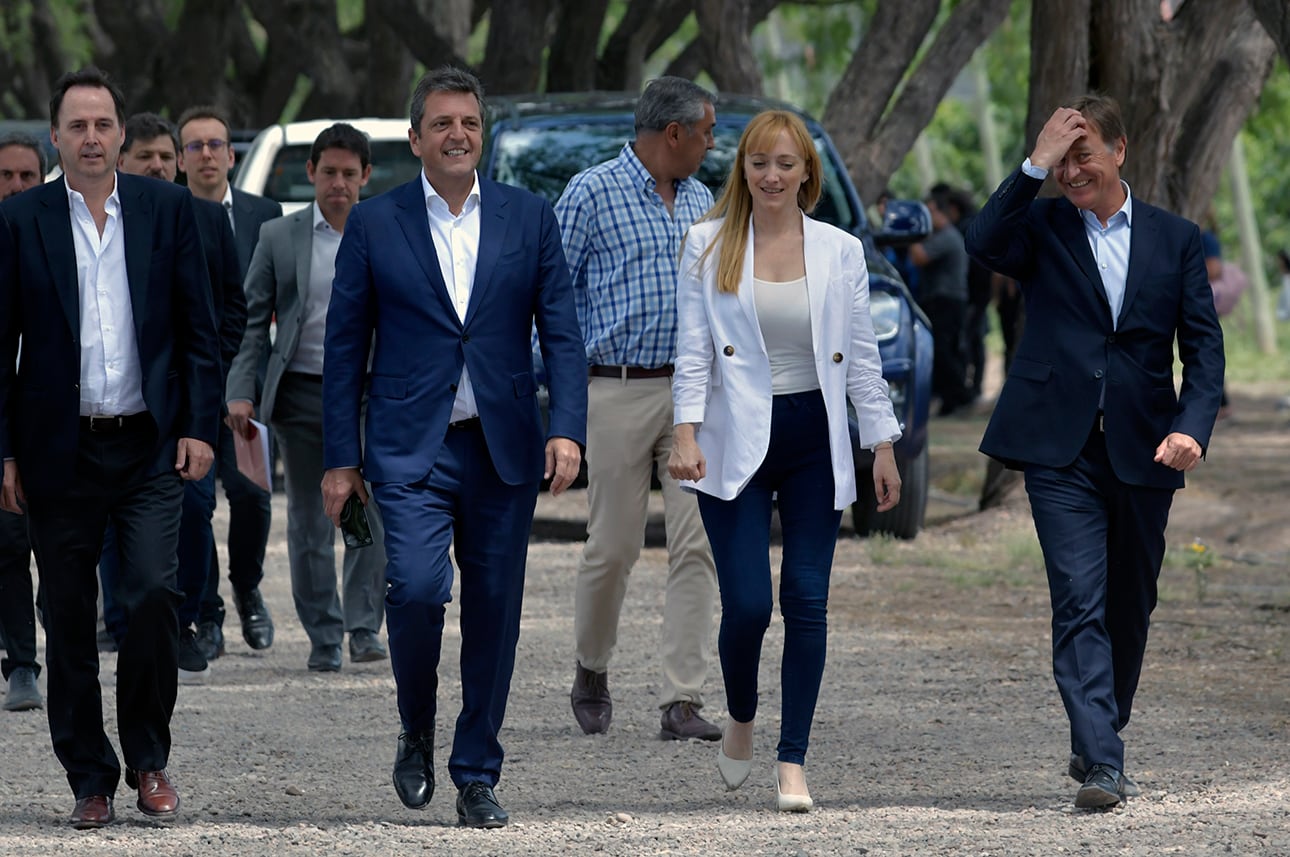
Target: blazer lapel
(303, 238)
(747, 299)
(817, 276)
(60, 251)
(412, 219)
(1142, 240)
(136, 227)
(1069, 226)
(494, 218)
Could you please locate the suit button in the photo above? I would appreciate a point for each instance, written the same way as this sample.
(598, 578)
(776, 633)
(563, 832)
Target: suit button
(465, 337)
(1097, 374)
(837, 356)
(1110, 340)
(452, 387)
(729, 351)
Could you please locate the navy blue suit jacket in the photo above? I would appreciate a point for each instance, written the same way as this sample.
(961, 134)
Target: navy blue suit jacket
(388, 284)
(1070, 352)
(174, 323)
(220, 248)
(249, 214)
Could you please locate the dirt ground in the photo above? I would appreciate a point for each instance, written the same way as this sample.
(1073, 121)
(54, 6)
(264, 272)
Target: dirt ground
(939, 729)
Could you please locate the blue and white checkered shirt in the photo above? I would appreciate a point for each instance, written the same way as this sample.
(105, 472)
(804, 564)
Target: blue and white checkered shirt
(623, 248)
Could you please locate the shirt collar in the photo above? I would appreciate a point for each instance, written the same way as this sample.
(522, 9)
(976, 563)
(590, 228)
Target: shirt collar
(320, 222)
(113, 199)
(428, 191)
(1127, 210)
(227, 202)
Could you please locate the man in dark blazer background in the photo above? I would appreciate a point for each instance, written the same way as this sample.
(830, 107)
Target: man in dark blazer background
(116, 401)
(450, 272)
(1089, 409)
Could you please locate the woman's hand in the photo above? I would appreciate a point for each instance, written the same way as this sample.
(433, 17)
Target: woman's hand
(886, 478)
(686, 460)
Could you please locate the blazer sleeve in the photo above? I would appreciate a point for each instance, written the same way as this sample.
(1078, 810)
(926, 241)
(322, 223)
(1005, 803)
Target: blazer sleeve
(998, 236)
(866, 387)
(692, 376)
(9, 334)
(351, 320)
(196, 330)
(559, 336)
(260, 287)
(1200, 348)
(232, 321)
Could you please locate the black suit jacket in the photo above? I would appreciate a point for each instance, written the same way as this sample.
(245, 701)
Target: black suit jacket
(174, 323)
(249, 213)
(220, 247)
(1070, 351)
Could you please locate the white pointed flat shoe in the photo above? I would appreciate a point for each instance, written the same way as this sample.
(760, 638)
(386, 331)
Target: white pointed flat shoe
(790, 803)
(733, 771)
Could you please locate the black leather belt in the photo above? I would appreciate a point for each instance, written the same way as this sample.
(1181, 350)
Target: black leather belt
(625, 372)
(471, 424)
(100, 424)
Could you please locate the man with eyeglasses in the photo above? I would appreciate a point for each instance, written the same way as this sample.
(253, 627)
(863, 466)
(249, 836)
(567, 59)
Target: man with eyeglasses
(206, 157)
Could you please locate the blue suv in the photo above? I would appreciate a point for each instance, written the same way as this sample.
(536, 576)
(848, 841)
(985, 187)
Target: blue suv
(539, 142)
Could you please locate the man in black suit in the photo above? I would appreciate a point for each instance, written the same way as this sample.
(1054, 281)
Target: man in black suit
(116, 402)
(1089, 410)
(151, 148)
(205, 157)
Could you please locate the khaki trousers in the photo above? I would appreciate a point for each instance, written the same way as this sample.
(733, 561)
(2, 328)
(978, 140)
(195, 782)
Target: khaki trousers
(629, 427)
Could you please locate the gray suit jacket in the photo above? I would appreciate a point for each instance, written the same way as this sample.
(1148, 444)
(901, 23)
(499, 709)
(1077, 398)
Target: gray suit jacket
(276, 284)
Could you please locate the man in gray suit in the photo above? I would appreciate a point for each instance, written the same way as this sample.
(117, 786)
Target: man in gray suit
(205, 158)
(290, 277)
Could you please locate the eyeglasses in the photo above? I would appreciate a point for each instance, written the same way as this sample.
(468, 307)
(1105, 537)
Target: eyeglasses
(195, 147)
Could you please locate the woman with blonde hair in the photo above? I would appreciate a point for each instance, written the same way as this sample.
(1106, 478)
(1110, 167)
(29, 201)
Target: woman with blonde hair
(774, 334)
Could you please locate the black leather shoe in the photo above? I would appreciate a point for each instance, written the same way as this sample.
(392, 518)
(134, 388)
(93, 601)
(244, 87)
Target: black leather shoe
(477, 806)
(365, 647)
(210, 640)
(324, 659)
(257, 624)
(592, 706)
(1103, 788)
(414, 770)
(1078, 772)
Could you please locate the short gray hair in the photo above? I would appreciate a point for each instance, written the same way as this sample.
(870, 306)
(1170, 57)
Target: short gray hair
(27, 142)
(671, 99)
(445, 78)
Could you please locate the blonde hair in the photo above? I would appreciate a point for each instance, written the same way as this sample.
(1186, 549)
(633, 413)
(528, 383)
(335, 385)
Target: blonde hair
(734, 205)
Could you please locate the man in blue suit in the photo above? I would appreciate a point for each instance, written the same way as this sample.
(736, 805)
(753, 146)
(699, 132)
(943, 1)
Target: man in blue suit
(1089, 411)
(115, 403)
(450, 272)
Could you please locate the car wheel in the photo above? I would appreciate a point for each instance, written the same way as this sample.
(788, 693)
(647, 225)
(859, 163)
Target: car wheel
(906, 519)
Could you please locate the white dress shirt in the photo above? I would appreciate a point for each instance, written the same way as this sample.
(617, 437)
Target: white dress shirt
(227, 204)
(308, 357)
(456, 243)
(111, 373)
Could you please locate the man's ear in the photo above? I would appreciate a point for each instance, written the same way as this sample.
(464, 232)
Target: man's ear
(1121, 147)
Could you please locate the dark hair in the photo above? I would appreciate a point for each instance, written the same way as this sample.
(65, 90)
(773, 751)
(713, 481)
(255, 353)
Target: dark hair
(148, 126)
(445, 78)
(27, 142)
(203, 111)
(942, 195)
(671, 99)
(88, 76)
(342, 135)
(1102, 112)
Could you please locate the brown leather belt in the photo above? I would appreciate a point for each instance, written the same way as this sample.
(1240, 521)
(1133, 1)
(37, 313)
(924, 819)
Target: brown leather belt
(625, 372)
(100, 424)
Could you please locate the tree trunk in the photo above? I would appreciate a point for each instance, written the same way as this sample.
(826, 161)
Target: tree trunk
(429, 43)
(517, 37)
(571, 67)
(1058, 67)
(726, 27)
(644, 23)
(1274, 15)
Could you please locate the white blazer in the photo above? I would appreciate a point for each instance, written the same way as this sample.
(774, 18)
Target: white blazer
(722, 380)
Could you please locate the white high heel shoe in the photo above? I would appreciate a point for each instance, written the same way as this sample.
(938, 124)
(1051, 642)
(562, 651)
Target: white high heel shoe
(733, 771)
(790, 803)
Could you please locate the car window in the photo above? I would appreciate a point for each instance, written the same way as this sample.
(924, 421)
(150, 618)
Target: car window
(392, 164)
(542, 159)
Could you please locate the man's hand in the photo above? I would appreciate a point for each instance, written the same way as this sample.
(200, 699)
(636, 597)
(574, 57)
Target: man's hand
(686, 460)
(337, 484)
(240, 414)
(1179, 451)
(563, 459)
(886, 478)
(1061, 130)
(12, 496)
(193, 458)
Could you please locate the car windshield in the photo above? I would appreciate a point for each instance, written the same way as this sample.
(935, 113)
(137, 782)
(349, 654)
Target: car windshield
(392, 164)
(542, 158)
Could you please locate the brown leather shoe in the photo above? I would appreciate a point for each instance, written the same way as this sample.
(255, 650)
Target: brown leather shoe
(93, 812)
(592, 706)
(157, 797)
(681, 722)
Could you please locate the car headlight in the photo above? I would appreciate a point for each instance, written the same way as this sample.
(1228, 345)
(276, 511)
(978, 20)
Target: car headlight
(885, 309)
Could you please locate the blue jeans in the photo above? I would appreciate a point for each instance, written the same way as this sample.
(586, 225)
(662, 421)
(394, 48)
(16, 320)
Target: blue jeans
(799, 469)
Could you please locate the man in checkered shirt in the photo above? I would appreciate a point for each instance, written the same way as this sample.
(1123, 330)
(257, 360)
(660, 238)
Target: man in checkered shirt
(622, 223)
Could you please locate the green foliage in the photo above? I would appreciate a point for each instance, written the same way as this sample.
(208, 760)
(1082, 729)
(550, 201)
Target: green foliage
(804, 49)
